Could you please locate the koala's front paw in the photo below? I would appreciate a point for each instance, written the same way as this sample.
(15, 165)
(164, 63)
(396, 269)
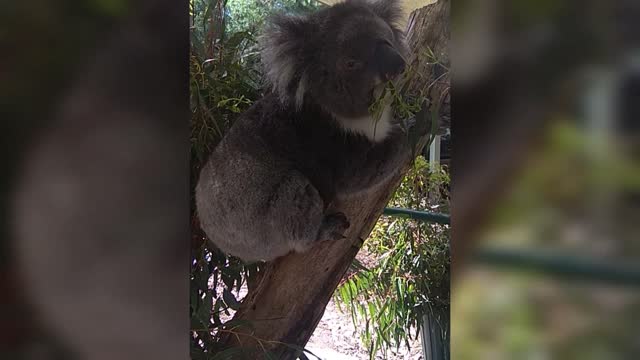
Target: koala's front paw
(410, 123)
(333, 227)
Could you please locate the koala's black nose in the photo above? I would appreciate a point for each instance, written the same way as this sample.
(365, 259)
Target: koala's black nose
(390, 63)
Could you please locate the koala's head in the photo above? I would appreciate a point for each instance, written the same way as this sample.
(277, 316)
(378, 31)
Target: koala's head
(335, 57)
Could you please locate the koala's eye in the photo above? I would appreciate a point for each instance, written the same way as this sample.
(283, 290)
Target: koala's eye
(352, 64)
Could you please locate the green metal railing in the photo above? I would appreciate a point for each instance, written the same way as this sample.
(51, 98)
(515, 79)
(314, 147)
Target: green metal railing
(562, 265)
(418, 215)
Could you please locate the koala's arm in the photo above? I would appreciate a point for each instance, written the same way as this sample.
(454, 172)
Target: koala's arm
(369, 166)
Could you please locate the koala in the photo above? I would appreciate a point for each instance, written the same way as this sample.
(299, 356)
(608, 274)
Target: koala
(267, 187)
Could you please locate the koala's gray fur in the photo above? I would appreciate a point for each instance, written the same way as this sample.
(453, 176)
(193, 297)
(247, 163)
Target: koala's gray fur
(266, 188)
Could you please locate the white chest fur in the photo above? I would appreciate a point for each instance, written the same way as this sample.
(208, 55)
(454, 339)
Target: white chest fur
(376, 131)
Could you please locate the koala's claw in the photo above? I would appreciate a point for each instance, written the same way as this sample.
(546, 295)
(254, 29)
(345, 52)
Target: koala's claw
(411, 122)
(333, 227)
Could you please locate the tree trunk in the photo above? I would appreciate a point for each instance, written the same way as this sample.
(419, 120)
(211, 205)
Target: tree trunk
(286, 306)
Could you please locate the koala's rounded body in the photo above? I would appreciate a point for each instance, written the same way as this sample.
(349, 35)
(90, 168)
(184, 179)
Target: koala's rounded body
(265, 189)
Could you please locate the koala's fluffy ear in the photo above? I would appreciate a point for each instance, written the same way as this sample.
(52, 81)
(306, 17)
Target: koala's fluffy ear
(284, 53)
(389, 10)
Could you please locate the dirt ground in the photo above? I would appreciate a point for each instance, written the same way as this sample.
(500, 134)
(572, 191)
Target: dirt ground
(336, 338)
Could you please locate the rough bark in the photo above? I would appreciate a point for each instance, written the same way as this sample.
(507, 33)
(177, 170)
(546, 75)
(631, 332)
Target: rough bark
(286, 306)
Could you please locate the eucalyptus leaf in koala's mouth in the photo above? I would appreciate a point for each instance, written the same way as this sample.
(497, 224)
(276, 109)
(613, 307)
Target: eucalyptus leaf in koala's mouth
(377, 91)
(380, 99)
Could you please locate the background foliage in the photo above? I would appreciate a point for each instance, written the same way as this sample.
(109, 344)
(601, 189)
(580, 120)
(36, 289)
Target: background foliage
(410, 276)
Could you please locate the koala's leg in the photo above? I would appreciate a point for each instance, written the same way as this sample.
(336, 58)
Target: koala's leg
(333, 227)
(257, 211)
(298, 205)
